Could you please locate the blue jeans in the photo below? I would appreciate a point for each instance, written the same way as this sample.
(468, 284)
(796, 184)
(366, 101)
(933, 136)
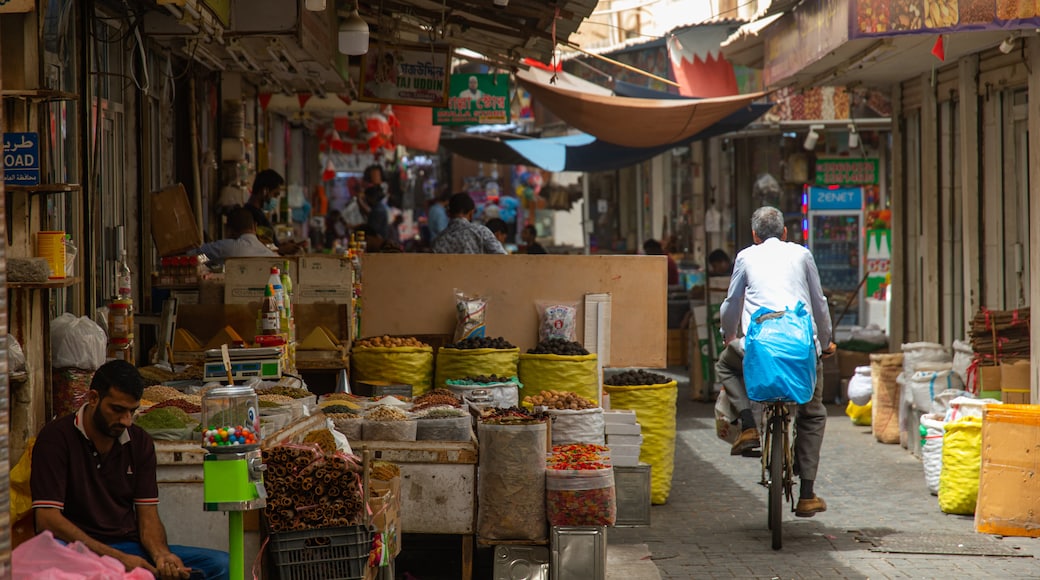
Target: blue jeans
(206, 564)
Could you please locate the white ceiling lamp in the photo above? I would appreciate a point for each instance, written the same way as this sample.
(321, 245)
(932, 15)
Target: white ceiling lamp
(853, 137)
(502, 3)
(353, 34)
(1007, 45)
(812, 137)
(315, 5)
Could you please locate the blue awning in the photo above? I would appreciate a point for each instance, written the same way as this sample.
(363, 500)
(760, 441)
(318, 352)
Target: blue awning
(583, 152)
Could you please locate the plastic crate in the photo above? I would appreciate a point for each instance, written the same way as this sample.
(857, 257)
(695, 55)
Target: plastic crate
(330, 554)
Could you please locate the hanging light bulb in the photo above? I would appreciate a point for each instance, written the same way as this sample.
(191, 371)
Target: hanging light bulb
(315, 5)
(853, 137)
(353, 34)
(811, 139)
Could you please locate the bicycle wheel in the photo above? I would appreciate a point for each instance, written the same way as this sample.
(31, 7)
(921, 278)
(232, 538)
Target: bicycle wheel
(776, 478)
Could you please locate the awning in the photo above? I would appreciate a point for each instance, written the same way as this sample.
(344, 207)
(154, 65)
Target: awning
(570, 154)
(746, 46)
(630, 122)
(485, 149)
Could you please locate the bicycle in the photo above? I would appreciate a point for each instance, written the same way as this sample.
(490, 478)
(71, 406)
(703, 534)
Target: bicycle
(777, 464)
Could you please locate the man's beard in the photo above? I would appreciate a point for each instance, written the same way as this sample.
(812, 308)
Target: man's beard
(113, 431)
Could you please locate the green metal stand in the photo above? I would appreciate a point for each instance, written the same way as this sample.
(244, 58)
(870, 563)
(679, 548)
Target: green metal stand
(236, 547)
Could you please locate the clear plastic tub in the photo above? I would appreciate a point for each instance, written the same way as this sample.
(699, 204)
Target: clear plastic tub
(388, 430)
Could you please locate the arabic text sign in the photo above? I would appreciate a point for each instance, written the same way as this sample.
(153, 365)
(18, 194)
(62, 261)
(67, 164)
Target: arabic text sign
(846, 171)
(406, 75)
(823, 198)
(475, 99)
(22, 158)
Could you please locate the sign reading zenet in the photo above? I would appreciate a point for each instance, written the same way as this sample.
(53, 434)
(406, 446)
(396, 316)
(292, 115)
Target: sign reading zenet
(823, 198)
(22, 158)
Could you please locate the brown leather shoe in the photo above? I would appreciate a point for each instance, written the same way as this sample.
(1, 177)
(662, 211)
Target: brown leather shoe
(807, 508)
(747, 441)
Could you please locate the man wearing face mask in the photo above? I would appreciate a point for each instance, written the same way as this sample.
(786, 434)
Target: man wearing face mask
(93, 480)
(267, 186)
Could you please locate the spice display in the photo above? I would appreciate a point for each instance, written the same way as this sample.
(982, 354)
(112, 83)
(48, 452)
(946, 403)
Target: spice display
(160, 393)
(386, 413)
(578, 456)
(384, 470)
(581, 497)
(905, 16)
(279, 399)
(511, 416)
(640, 377)
(294, 392)
(872, 15)
(322, 438)
(338, 409)
(307, 489)
(560, 400)
(481, 342)
(436, 398)
(1012, 9)
(442, 413)
(511, 482)
(977, 11)
(186, 406)
(559, 347)
(943, 13)
(268, 404)
(389, 342)
(165, 418)
(349, 424)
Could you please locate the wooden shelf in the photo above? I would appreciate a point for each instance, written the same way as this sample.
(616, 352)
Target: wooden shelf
(45, 188)
(38, 95)
(48, 285)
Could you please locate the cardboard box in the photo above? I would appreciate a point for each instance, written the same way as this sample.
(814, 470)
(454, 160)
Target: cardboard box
(619, 417)
(246, 278)
(174, 228)
(613, 440)
(323, 279)
(622, 429)
(1009, 481)
(384, 499)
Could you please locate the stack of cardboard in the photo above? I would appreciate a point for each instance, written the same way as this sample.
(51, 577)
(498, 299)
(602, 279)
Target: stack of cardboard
(624, 437)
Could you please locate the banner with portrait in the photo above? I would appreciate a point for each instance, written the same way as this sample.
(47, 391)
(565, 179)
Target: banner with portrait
(406, 74)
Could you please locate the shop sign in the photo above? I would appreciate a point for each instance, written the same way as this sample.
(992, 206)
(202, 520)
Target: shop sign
(803, 37)
(475, 99)
(873, 18)
(406, 74)
(835, 198)
(846, 171)
(17, 6)
(22, 158)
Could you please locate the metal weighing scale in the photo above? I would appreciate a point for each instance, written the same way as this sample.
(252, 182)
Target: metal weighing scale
(232, 469)
(246, 363)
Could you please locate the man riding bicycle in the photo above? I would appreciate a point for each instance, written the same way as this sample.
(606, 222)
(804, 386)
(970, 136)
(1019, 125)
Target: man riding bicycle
(776, 274)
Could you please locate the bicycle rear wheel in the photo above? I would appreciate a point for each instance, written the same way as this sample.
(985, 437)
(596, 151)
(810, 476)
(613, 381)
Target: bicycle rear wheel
(776, 478)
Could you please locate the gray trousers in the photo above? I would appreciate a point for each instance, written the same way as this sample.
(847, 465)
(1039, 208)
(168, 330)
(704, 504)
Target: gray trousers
(810, 419)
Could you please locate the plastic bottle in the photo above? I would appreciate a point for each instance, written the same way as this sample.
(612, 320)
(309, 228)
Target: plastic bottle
(287, 312)
(275, 282)
(124, 288)
(269, 321)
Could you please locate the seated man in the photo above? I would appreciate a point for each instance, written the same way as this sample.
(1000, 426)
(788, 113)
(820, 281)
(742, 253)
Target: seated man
(776, 274)
(93, 480)
(241, 240)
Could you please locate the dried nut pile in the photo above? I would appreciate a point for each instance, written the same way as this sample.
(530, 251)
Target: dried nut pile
(511, 416)
(559, 347)
(280, 399)
(485, 380)
(385, 413)
(436, 398)
(389, 342)
(977, 11)
(636, 378)
(186, 406)
(307, 489)
(286, 391)
(561, 400)
(482, 342)
(160, 393)
(941, 13)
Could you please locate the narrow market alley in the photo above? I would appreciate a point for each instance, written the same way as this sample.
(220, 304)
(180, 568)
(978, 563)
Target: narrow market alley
(714, 525)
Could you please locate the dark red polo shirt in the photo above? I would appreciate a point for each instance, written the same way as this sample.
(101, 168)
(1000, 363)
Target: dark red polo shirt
(96, 493)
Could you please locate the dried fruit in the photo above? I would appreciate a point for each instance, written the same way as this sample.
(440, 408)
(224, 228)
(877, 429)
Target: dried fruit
(386, 341)
(639, 377)
(563, 400)
(559, 347)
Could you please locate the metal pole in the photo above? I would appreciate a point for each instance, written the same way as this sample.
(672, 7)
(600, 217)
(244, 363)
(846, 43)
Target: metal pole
(236, 545)
(586, 221)
(639, 207)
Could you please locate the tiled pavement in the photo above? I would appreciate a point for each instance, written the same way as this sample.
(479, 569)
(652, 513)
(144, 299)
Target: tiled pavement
(714, 524)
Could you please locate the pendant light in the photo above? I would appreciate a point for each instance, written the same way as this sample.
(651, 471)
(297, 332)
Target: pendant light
(353, 34)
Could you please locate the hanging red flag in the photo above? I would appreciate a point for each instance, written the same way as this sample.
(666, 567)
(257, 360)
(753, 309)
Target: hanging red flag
(345, 97)
(939, 50)
(303, 98)
(330, 172)
(341, 123)
(265, 99)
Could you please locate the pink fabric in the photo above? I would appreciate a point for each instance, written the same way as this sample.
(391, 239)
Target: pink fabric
(44, 558)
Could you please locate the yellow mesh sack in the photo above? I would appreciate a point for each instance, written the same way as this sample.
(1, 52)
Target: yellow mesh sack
(575, 374)
(961, 463)
(860, 414)
(459, 363)
(409, 365)
(655, 411)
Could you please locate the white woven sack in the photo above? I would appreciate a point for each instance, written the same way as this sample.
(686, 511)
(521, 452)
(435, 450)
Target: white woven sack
(962, 355)
(861, 387)
(967, 407)
(915, 353)
(926, 384)
(932, 427)
(585, 426)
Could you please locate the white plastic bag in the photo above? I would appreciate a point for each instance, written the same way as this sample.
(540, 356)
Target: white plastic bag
(557, 320)
(861, 386)
(15, 355)
(77, 343)
(352, 215)
(585, 426)
(932, 429)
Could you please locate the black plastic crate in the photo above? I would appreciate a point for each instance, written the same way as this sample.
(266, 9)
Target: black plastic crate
(330, 554)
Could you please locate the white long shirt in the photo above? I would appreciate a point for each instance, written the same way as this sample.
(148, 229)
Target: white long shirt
(774, 275)
(242, 246)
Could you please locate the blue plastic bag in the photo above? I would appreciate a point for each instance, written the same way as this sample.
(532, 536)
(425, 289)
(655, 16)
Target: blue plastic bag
(780, 356)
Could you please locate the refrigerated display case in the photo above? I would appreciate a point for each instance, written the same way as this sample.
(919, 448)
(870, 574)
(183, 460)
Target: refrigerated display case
(834, 229)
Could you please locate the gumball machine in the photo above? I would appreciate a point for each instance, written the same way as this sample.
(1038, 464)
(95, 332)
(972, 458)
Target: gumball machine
(233, 468)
